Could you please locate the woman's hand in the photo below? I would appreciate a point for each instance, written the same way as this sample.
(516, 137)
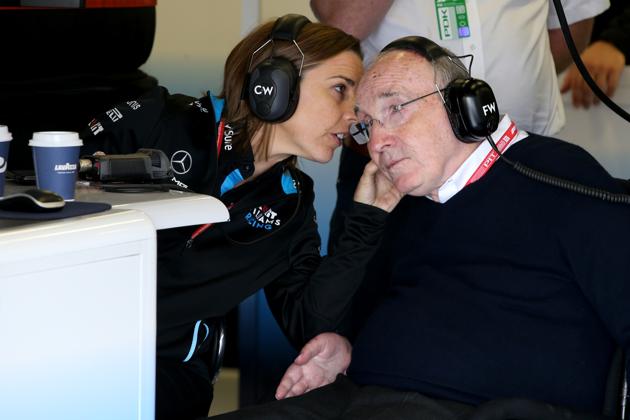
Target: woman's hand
(376, 190)
(605, 63)
(318, 364)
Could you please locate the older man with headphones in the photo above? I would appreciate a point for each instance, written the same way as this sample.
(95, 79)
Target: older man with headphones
(500, 289)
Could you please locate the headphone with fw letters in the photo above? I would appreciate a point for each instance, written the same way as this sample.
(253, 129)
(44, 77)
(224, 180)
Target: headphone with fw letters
(470, 103)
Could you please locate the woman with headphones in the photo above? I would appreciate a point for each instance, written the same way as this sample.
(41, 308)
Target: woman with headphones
(288, 92)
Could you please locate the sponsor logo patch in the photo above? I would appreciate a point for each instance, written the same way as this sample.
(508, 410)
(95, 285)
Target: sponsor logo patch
(96, 127)
(181, 162)
(263, 217)
(133, 105)
(66, 168)
(114, 114)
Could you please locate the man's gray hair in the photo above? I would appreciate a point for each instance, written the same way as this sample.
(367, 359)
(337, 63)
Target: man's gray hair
(447, 67)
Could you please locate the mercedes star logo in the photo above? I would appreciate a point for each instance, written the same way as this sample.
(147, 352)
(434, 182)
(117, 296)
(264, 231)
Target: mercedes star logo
(181, 162)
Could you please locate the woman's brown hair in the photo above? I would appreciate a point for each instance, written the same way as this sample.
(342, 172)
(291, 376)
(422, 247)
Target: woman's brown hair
(317, 41)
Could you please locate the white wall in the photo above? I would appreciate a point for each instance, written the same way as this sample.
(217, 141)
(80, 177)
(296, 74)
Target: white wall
(191, 42)
(193, 38)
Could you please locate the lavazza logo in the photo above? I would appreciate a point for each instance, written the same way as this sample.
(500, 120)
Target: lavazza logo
(66, 168)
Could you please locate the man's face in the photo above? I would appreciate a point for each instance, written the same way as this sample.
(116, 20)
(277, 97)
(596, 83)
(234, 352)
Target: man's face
(416, 149)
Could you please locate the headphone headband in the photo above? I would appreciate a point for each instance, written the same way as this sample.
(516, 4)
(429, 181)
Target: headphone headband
(288, 27)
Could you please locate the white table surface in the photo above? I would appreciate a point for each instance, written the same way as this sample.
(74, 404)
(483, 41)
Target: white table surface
(165, 209)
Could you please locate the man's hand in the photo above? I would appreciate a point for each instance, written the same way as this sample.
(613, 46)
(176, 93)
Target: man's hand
(318, 364)
(580, 32)
(376, 190)
(605, 63)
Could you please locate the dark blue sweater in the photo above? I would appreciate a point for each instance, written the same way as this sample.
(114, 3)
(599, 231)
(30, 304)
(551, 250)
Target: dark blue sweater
(512, 288)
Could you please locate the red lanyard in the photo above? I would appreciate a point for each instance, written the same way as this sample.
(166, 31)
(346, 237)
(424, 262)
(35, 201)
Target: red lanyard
(492, 156)
(201, 229)
(220, 137)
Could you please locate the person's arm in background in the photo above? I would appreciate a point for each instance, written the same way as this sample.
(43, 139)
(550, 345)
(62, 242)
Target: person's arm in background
(167, 122)
(605, 58)
(356, 17)
(581, 34)
(580, 15)
(125, 127)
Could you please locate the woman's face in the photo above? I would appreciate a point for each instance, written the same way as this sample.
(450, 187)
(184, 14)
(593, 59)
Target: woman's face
(324, 112)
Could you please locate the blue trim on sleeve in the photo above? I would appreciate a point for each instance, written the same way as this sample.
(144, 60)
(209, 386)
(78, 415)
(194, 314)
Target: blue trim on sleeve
(288, 183)
(193, 344)
(217, 105)
(231, 180)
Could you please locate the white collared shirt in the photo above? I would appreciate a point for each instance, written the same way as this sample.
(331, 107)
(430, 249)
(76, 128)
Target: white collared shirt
(460, 178)
(510, 43)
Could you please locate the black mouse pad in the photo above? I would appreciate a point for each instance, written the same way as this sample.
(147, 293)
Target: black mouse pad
(71, 209)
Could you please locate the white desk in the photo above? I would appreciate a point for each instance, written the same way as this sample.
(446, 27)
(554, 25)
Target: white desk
(165, 209)
(77, 307)
(602, 132)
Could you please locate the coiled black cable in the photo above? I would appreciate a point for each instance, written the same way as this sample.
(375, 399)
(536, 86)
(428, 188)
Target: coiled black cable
(561, 182)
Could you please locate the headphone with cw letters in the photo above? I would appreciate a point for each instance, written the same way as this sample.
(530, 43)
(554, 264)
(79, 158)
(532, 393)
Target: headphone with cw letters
(272, 88)
(470, 103)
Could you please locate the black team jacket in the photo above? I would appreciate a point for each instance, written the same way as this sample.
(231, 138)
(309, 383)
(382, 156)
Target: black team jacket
(270, 242)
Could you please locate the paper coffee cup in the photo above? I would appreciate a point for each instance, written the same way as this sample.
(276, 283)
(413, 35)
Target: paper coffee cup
(5, 138)
(56, 159)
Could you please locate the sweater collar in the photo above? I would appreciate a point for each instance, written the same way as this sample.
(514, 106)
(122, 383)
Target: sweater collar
(462, 175)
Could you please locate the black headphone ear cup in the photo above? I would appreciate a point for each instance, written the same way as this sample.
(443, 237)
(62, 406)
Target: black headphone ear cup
(472, 109)
(454, 117)
(273, 90)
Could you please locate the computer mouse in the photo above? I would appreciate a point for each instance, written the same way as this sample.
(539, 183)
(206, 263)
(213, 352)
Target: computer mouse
(32, 200)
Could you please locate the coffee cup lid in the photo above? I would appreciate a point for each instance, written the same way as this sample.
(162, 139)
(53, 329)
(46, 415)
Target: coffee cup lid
(5, 134)
(55, 139)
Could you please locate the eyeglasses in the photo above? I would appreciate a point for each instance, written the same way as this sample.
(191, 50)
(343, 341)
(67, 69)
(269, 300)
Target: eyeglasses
(392, 118)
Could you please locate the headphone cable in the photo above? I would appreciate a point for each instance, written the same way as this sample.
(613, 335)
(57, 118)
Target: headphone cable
(561, 182)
